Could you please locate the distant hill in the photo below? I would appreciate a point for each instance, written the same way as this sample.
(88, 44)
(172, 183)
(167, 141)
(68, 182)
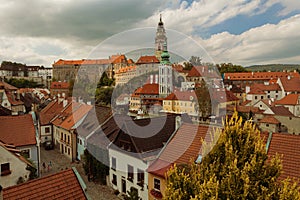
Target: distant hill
(274, 67)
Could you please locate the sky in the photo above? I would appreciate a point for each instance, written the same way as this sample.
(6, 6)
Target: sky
(244, 32)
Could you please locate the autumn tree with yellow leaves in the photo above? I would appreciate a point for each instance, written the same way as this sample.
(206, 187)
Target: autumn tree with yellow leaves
(235, 168)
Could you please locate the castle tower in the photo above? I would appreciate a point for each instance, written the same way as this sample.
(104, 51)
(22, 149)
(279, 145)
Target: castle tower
(160, 39)
(165, 73)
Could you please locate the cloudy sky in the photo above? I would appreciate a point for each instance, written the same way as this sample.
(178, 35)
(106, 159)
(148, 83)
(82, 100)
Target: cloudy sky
(243, 32)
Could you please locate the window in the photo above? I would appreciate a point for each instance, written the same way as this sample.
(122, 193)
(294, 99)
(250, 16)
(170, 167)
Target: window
(255, 97)
(113, 163)
(61, 136)
(68, 151)
(156, 184)
(5, 169)
(140, 177)
(130, 173)
(68, 139)
(267, 125)
(47, 130)
(114, 180)
(261, 97)
(26, 153)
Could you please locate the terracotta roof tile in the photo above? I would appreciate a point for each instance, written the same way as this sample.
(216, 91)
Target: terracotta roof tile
(62, 185)
(148, 89)
(291, 84)
(8, 86)
(82, 62)
(147, 59)
(182, 95)
(269, 119)
(202, 71)
(282, 111)
(17, 130)
(290, 99)
(50, 111)
(184, 146)
(258, 75)
(60, 85)
(256, 91)
(94, 118)
(263, 87)
(114, 59)
(288, 146)
(75, 116)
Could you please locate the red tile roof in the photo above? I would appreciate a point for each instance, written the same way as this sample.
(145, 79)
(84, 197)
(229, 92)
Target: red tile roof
(60, 85)
(269, 119)
(291, 84)
(50, 111)
(16, 152)
(148, 89)
(256, 91)
(8, 86)
(182, 95)
(17, 130)
(244, 109)
(76, 115)
(115, 59)
(14, 98)
(263, 87)
(62, 185)
(202, 71)
(288, 146)
(222, 96)
(147, 59)
(182, 148)
(282, 111)
(258, 75)
(290, 99)
(81, 62)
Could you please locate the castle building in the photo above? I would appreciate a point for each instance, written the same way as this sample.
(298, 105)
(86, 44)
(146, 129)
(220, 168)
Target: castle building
(160, 39)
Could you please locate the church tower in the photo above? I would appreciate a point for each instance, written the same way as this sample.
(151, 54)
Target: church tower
(165, 73)
(160, 39)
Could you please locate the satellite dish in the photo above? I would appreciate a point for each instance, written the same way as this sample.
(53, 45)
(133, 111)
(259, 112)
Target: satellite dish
(191, 98)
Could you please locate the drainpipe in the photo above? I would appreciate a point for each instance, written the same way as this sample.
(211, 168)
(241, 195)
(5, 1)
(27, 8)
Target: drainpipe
(269, 141)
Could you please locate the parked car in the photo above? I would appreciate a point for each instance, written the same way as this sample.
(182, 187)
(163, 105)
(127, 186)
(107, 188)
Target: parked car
(48, 145)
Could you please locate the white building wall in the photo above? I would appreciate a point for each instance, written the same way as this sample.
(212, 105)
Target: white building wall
(122, 160)
(17, 167)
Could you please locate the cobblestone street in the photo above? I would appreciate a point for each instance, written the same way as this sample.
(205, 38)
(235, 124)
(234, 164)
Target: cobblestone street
(60, 162)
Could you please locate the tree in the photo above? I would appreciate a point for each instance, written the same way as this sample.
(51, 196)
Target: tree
(236, 167)
(133, 194)
(95, 170)
(103, 95)
(203, 98)
(105, 81)
(229, 67)
(195, 60)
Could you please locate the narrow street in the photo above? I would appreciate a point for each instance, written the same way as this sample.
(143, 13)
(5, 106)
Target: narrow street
(54, 162)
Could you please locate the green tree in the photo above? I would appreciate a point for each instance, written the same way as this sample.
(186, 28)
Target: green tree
(103, 95)
(133, 194)
(105, 81)
(203, 98)
(95, 170)
(229, 67)
(236, 167)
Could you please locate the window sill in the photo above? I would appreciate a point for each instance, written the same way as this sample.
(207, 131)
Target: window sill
(5, 173)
